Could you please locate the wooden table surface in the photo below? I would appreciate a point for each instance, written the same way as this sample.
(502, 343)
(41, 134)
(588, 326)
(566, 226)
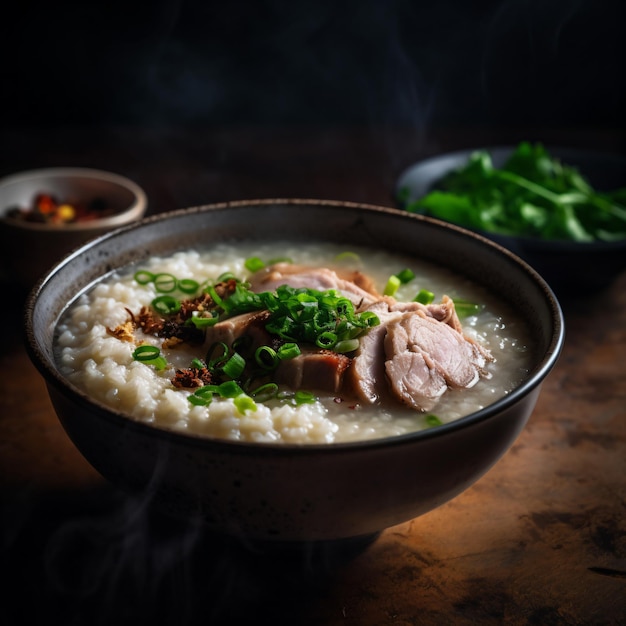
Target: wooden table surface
(540, 539)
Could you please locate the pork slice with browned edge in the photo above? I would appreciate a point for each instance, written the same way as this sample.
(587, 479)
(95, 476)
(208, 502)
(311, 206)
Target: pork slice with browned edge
(425, 356)
(354, 286)
(366, 377)
(313, 369)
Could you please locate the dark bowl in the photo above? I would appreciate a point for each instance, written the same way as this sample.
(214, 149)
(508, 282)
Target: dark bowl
(283, 492)
(569, 267)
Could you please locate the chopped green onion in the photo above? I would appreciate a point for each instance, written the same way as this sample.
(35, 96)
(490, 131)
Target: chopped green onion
(433, 420)
(347, 256)
(344, 307)
(464, 308)
(424, 296)
(222, 278)
(217, 361)
(244, 403)
(202, 321)
(393, 282)
(265, 392)
(296, 398)
(288, 351)
(241, 300)
(254, 264)
(284, 395)
(266, 357)
(198, 364)
(230, 389)
(405, 276)
(166, 305)
(279, 259)
(159, 363)
(150, 355)
(304, 397)
(234, 366)
(146, 353)
(203, 396)
(143, 277)
(370, 319)
(188, 285)
(165, 283)
(347, 345)
(198, 400)
(211, 291)
(303, 315)
(208, 390)
(326, 340)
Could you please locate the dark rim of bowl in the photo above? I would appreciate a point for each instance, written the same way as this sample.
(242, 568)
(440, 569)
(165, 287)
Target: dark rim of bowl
(52, 376)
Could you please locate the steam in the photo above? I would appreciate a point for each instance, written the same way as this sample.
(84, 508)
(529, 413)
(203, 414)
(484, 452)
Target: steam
(367, 62)
(280, 63)
(120, 562)
(111, 558)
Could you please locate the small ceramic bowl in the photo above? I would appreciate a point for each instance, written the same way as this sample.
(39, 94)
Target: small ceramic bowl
(282, 492)
(569, 267)
(29, 248)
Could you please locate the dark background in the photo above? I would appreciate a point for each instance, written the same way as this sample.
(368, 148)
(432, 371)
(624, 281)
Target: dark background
(444, 62)
(81, 81)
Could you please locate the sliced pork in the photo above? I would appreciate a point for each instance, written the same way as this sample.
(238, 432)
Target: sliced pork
(313, 369)
(415, 354)
(425, 356)
(354, 285)
(366, 378)
(232, 328)
(321, 370)
(443, 311)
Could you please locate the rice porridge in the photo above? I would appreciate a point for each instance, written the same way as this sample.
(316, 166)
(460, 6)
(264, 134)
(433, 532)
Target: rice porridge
(99, 335)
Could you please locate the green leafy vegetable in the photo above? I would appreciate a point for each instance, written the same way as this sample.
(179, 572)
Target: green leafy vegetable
(533, 194)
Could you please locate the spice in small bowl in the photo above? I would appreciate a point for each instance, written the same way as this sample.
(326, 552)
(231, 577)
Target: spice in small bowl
(47, 208)
(47, 213)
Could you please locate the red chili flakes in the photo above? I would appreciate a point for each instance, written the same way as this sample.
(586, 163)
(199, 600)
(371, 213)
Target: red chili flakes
(48, 209)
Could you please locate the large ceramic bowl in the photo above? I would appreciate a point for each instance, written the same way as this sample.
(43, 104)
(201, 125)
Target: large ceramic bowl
(28, 249)
(283, 492)
(571, 268)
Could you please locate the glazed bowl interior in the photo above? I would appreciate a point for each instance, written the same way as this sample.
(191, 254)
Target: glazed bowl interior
(281, 491)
